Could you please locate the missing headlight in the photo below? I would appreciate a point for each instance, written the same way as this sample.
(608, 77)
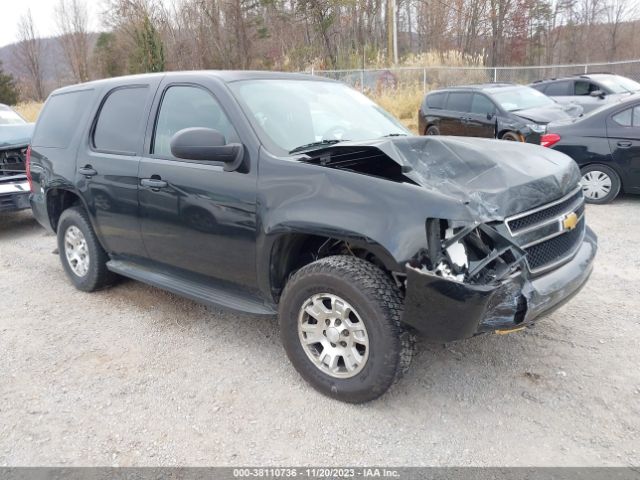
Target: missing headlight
(473, 253)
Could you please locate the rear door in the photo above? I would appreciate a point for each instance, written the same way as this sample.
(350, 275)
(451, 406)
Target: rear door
(200, 219)
(454, 116)
(107, 167)
(623, 129)
(482, 117)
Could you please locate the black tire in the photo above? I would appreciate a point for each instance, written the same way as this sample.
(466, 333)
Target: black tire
(512, 137)
(97, 275)
(379, 303)
(432, 130)
(614, 179)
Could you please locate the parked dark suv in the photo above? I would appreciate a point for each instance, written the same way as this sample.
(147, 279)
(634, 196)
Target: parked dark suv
(266, 193)
(588, 91)
(495, 110)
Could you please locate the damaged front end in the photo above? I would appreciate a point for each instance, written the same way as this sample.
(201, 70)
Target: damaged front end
(473, 279)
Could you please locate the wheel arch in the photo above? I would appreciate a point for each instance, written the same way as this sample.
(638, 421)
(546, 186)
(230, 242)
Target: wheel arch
(291, 251)
(58, 199)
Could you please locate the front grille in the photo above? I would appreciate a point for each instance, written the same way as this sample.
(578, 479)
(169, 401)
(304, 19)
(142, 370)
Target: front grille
(544, 214)
(550, 252)
(542, 233)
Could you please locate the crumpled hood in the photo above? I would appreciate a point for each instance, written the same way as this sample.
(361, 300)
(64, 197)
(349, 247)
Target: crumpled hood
(491, 179)
(15, 135)
(546, 114)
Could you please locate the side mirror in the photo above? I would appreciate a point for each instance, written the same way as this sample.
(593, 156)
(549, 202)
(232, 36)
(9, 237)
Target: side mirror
(598, 93)
(490, 115)
(207, 145)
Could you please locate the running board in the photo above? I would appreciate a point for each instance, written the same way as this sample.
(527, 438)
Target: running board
(206, 294)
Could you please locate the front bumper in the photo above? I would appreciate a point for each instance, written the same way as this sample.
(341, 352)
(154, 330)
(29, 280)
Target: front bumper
(14, 196)
(443, 310)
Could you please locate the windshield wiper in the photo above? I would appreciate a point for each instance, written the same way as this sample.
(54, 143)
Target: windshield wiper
(394, 135)
(321, 143)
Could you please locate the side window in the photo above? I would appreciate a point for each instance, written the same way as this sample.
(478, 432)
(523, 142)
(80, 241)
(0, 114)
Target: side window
(59, 119)
(185, 106)
(636, 116)
(583, 88)
(623, 118)
(120, 126)
(541, 87)
(558, 89)
(482, 105)
(436, 100)
(459, 101)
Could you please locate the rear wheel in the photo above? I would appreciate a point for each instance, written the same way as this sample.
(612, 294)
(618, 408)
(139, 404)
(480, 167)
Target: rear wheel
(432, 130)
(340, 326)
(83, 258)
(600, 184)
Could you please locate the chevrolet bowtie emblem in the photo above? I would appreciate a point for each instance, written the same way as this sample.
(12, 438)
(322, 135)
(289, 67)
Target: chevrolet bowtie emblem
(570, 221)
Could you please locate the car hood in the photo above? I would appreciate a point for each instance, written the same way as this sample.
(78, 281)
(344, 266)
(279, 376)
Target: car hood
(487, 179)
(15, 135)
(548, 114)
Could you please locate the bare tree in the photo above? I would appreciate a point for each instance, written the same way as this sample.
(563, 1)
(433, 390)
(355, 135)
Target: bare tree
(72, 21)
(28, 55)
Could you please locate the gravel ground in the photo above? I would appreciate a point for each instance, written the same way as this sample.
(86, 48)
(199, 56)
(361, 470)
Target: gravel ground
(136, 376)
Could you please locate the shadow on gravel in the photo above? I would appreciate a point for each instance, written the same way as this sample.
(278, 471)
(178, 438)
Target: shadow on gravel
(17, 224)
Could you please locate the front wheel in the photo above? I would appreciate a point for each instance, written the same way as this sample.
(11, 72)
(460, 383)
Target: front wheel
(432, 130)
(512, 137)
(600, 184)
(340, 326)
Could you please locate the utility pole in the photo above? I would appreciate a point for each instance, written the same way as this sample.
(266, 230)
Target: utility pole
(392, 32)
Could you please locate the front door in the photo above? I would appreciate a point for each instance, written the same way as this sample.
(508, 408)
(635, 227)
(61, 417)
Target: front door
(623, 129)
(195, 216)
(107, 168)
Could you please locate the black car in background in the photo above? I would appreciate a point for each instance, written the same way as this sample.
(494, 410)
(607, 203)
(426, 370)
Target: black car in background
(589, 91)
(606, 145)
(496, 110)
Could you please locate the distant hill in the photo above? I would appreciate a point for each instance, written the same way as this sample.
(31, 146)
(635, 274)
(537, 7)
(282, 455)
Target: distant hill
(54, 64)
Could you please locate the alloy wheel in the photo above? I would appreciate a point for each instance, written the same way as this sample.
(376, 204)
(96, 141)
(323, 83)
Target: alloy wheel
(333, 335)
(76, 251)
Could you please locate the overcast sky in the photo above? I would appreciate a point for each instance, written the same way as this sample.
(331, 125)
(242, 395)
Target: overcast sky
(43, 17)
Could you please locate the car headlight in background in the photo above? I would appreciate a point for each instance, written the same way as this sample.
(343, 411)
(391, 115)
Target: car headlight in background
(535, 127)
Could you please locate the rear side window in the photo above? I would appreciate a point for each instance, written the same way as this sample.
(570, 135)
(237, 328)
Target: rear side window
(459, 101)
(60, 118)
(436, 100)
(558, 89)
(120, 128)
(629, 117)
(541, 87)
(482, 105)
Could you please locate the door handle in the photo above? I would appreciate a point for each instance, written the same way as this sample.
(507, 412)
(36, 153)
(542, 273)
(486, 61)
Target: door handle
(88, 171)
(624, 144)
(153, 183)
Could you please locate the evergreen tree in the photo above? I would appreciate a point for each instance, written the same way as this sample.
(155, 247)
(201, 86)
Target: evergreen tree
(8, 89)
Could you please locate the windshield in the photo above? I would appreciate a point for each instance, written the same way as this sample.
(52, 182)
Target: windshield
(9, 117)
(521, 98)
(288, 114)
(619, 84)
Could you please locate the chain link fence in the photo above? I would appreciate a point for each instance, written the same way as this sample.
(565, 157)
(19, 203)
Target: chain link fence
(429, 78)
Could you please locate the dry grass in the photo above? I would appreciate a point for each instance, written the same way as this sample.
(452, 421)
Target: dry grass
(402, 102)
(29, 110)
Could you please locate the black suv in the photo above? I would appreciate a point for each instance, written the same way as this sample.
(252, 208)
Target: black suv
(496, 110)
(588, 91)
(275, 193)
